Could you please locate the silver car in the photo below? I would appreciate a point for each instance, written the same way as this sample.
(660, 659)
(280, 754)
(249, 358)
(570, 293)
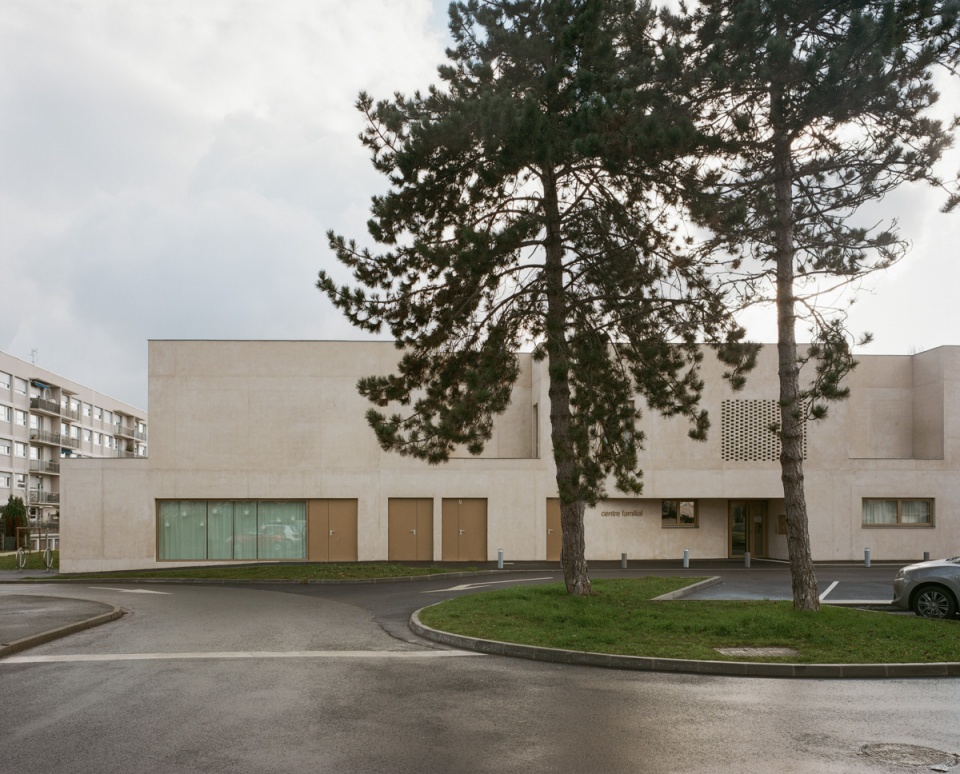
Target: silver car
(930, 589)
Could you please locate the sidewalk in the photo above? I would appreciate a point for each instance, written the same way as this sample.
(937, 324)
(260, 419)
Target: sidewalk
(27, 620)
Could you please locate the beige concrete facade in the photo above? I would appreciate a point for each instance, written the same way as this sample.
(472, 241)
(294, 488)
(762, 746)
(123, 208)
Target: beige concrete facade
(281, 421)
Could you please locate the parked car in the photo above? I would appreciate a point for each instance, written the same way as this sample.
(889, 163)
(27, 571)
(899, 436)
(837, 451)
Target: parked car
(930, 589)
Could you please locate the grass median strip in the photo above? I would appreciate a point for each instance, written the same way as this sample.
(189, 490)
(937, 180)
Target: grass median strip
(290, 572)
(621, 617)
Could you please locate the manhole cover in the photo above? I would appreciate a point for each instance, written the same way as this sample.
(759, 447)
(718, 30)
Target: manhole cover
(910, 755)
(757, 652)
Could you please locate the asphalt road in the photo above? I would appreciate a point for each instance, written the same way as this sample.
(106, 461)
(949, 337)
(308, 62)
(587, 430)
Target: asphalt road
(328, 679)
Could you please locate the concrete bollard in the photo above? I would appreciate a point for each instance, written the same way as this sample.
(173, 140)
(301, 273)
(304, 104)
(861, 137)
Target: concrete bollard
(499, 558)
(866, 557)
(746, 559)
(623, 561)
(686, 558)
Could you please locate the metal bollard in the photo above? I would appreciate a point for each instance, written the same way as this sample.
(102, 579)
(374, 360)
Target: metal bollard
(686, 558)
(499, 558)
(746, 559)
(623, 561)
(866, 557)
(926, 556)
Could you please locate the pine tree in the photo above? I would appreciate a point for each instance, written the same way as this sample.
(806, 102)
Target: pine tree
(824, 108)
(529, 202)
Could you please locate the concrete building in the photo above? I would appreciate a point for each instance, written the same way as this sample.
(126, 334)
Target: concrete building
(259, 451)
(45, 419)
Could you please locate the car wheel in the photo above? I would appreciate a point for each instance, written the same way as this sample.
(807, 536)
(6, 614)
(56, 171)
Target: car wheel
(934, 602)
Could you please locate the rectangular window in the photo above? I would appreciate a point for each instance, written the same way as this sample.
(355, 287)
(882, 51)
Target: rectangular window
(87, 435)
(21, 480)
(20, 385)
(4, 480)
(75, 432)
(20, 417)
(239, 530)
(5, 447)
(897, 513)
(108, 417)
(6, 413)
(97, 413)
(98, 439)
(678, 513)
(4, 381)
(20, 449)
(86, 409)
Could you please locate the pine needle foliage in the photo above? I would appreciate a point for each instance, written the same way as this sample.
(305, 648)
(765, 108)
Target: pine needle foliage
(821, 108)
(531, 201)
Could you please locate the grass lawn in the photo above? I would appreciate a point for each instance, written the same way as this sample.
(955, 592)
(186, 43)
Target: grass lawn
(289, 572)
(34, 561)
(620, 617)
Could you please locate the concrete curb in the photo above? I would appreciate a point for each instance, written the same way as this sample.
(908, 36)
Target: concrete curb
(716, 668)
(54, 634)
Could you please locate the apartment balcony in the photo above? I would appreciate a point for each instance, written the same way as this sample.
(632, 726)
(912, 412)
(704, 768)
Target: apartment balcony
(128, 455)
(40, 497)
(45, 466)
(54, 439)
(70, 415)
(44, 406)
(129, 432)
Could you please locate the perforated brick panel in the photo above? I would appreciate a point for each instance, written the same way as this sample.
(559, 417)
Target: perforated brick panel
(746, 434)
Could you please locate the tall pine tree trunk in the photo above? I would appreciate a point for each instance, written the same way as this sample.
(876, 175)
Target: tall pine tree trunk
(573, 552)
(803, 579)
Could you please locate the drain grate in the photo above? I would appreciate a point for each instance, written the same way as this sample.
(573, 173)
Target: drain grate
(911, 755)
(757, 652)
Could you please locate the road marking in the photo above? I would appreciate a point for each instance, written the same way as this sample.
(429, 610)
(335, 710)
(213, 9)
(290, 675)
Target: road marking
(390, 654)
(466, 586)
(830, 588)
(129, 591)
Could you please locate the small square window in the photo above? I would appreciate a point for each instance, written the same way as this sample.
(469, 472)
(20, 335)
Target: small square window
(678, 513)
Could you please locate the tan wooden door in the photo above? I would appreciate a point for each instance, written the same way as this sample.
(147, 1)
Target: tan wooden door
(409, 529)
(554, 534)
(464, 529)
(332, 530)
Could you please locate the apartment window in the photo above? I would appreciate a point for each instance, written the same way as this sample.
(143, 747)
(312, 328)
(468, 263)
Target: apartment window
(20, 417)
(87, 435)
(4, 480)
(20, 385)
(4, 381)
(35, 452)
(21, 480)
(75, 406)
(108, 441)
(35, 422)
(6, 413)
(678, 513)
(20, 450)
(108, 417)
(97, 413)
(86, 409)
(897, 513)
(98, 439)
(75, 432)
(5, 447)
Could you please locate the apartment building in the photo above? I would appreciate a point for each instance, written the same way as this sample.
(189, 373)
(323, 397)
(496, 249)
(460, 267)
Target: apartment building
(45, 419)
(259, 451)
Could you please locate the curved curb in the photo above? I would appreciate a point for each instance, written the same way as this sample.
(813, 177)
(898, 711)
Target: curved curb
(54, 634)
(685, 666)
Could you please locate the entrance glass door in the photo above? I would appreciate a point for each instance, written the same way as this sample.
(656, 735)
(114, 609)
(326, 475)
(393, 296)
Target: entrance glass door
(748, 528)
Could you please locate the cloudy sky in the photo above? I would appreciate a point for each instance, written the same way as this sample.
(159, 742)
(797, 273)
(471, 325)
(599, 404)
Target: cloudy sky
(169, 170)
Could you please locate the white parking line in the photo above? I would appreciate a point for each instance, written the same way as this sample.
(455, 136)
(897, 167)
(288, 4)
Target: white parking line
(129, 591)
(830, 588)
(362, 654)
